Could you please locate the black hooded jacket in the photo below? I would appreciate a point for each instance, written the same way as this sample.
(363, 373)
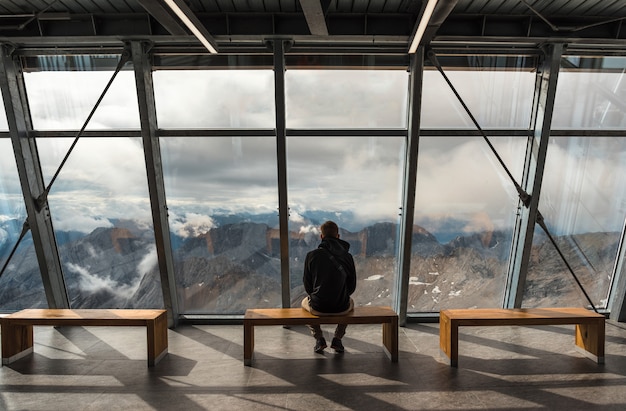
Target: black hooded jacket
(328, 287)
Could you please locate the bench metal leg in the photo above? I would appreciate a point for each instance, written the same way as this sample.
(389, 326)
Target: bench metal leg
(248, 343)
(17, 342)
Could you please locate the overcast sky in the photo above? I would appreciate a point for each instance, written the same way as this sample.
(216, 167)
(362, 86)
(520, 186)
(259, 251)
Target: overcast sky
(457, 177)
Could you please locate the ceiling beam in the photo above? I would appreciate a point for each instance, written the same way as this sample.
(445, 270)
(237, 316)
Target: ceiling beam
(189, 19)
(314, 15)
(163, 16)
(434, 14)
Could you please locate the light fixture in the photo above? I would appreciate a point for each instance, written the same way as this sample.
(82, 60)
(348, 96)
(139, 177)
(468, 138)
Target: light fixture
(191, 21)
(421, 28)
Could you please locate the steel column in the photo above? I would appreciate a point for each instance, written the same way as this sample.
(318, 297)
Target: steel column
(156, 185)
(617, 298)
(545, 91)
(281, 158)
(31, 180)
(409, 184)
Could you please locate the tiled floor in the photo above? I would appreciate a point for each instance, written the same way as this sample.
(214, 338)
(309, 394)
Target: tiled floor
(507, 368)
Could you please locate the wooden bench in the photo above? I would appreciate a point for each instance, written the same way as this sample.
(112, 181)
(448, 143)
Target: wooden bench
(17, 328)
(589, 326)
(298, 316)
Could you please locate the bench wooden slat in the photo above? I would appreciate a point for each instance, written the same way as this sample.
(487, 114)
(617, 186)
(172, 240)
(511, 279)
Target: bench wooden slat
(17, 328)
(527, 315)
(95, 317)
(589, 334)
(298, 316)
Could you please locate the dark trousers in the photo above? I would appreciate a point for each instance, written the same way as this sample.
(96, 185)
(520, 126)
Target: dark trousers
(316, 330)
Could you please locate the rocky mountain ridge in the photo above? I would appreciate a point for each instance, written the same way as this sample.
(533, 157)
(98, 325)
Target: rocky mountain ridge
(237, 265)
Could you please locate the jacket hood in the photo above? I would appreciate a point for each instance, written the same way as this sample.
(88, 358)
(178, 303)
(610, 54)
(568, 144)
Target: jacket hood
(336, 246)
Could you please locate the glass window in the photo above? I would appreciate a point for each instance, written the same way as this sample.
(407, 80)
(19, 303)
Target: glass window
(214, 98)
(101, 214)
(465, 211)
(63, 99)
(20, 285)
(4, 125)
(497, 99)
(583, 202)
(223, 214)
(591, 93)
(346, 98)
(356, 182)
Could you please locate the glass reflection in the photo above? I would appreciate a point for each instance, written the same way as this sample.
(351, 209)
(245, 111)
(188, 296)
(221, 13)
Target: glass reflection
(346, 98)
(496, 99)
(214, 98)
(62, 100)
(591, 93)
(583, 204)
(222, 201)
(356, 182)
(20, 284)
(4, 125)
(103, 225)
(465, 210)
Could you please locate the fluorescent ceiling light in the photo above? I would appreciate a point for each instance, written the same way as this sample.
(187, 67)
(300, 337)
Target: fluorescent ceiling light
(421, 28)
(194, 27)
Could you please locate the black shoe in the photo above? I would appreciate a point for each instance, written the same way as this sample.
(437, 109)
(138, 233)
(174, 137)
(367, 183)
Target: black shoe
(320, 344)
(337, 345)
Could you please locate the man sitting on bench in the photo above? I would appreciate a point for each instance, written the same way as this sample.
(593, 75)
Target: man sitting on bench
(329, 280)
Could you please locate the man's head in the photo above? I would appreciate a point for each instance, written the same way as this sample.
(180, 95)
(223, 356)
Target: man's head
(329, 229)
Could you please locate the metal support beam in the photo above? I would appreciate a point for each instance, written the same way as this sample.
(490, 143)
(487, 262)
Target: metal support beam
(442, 10)
(156, 185)
(617, 299)
(31, 180)
(281, 156)
(314, 15)
(545, 92)
(409, 183)
(163, 16)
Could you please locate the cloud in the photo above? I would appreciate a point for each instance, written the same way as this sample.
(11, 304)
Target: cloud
(306, 229)
(67, 220)
(296, 217)
(362, 98)
(62, 100)
(583, 188)
(4, 236)
(191, 224)
(458, 177)
(92, 283)
(148, 262)
(497, 99)
(214, 98)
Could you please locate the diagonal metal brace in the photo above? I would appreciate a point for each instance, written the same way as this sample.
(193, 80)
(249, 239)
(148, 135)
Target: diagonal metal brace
(42, 199)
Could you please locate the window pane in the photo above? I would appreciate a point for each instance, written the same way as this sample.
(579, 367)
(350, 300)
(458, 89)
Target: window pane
(102, 220)
(583, 202)
(346, 98)
(215, 98)
(222, 201)
(591, 93)
(20, 284)
(465, 210)
(496, 99)
(4, 125)
(62, 100)
(356, 182)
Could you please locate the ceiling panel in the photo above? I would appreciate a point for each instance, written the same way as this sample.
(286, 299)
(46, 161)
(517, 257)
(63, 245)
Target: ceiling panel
(350, 22)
